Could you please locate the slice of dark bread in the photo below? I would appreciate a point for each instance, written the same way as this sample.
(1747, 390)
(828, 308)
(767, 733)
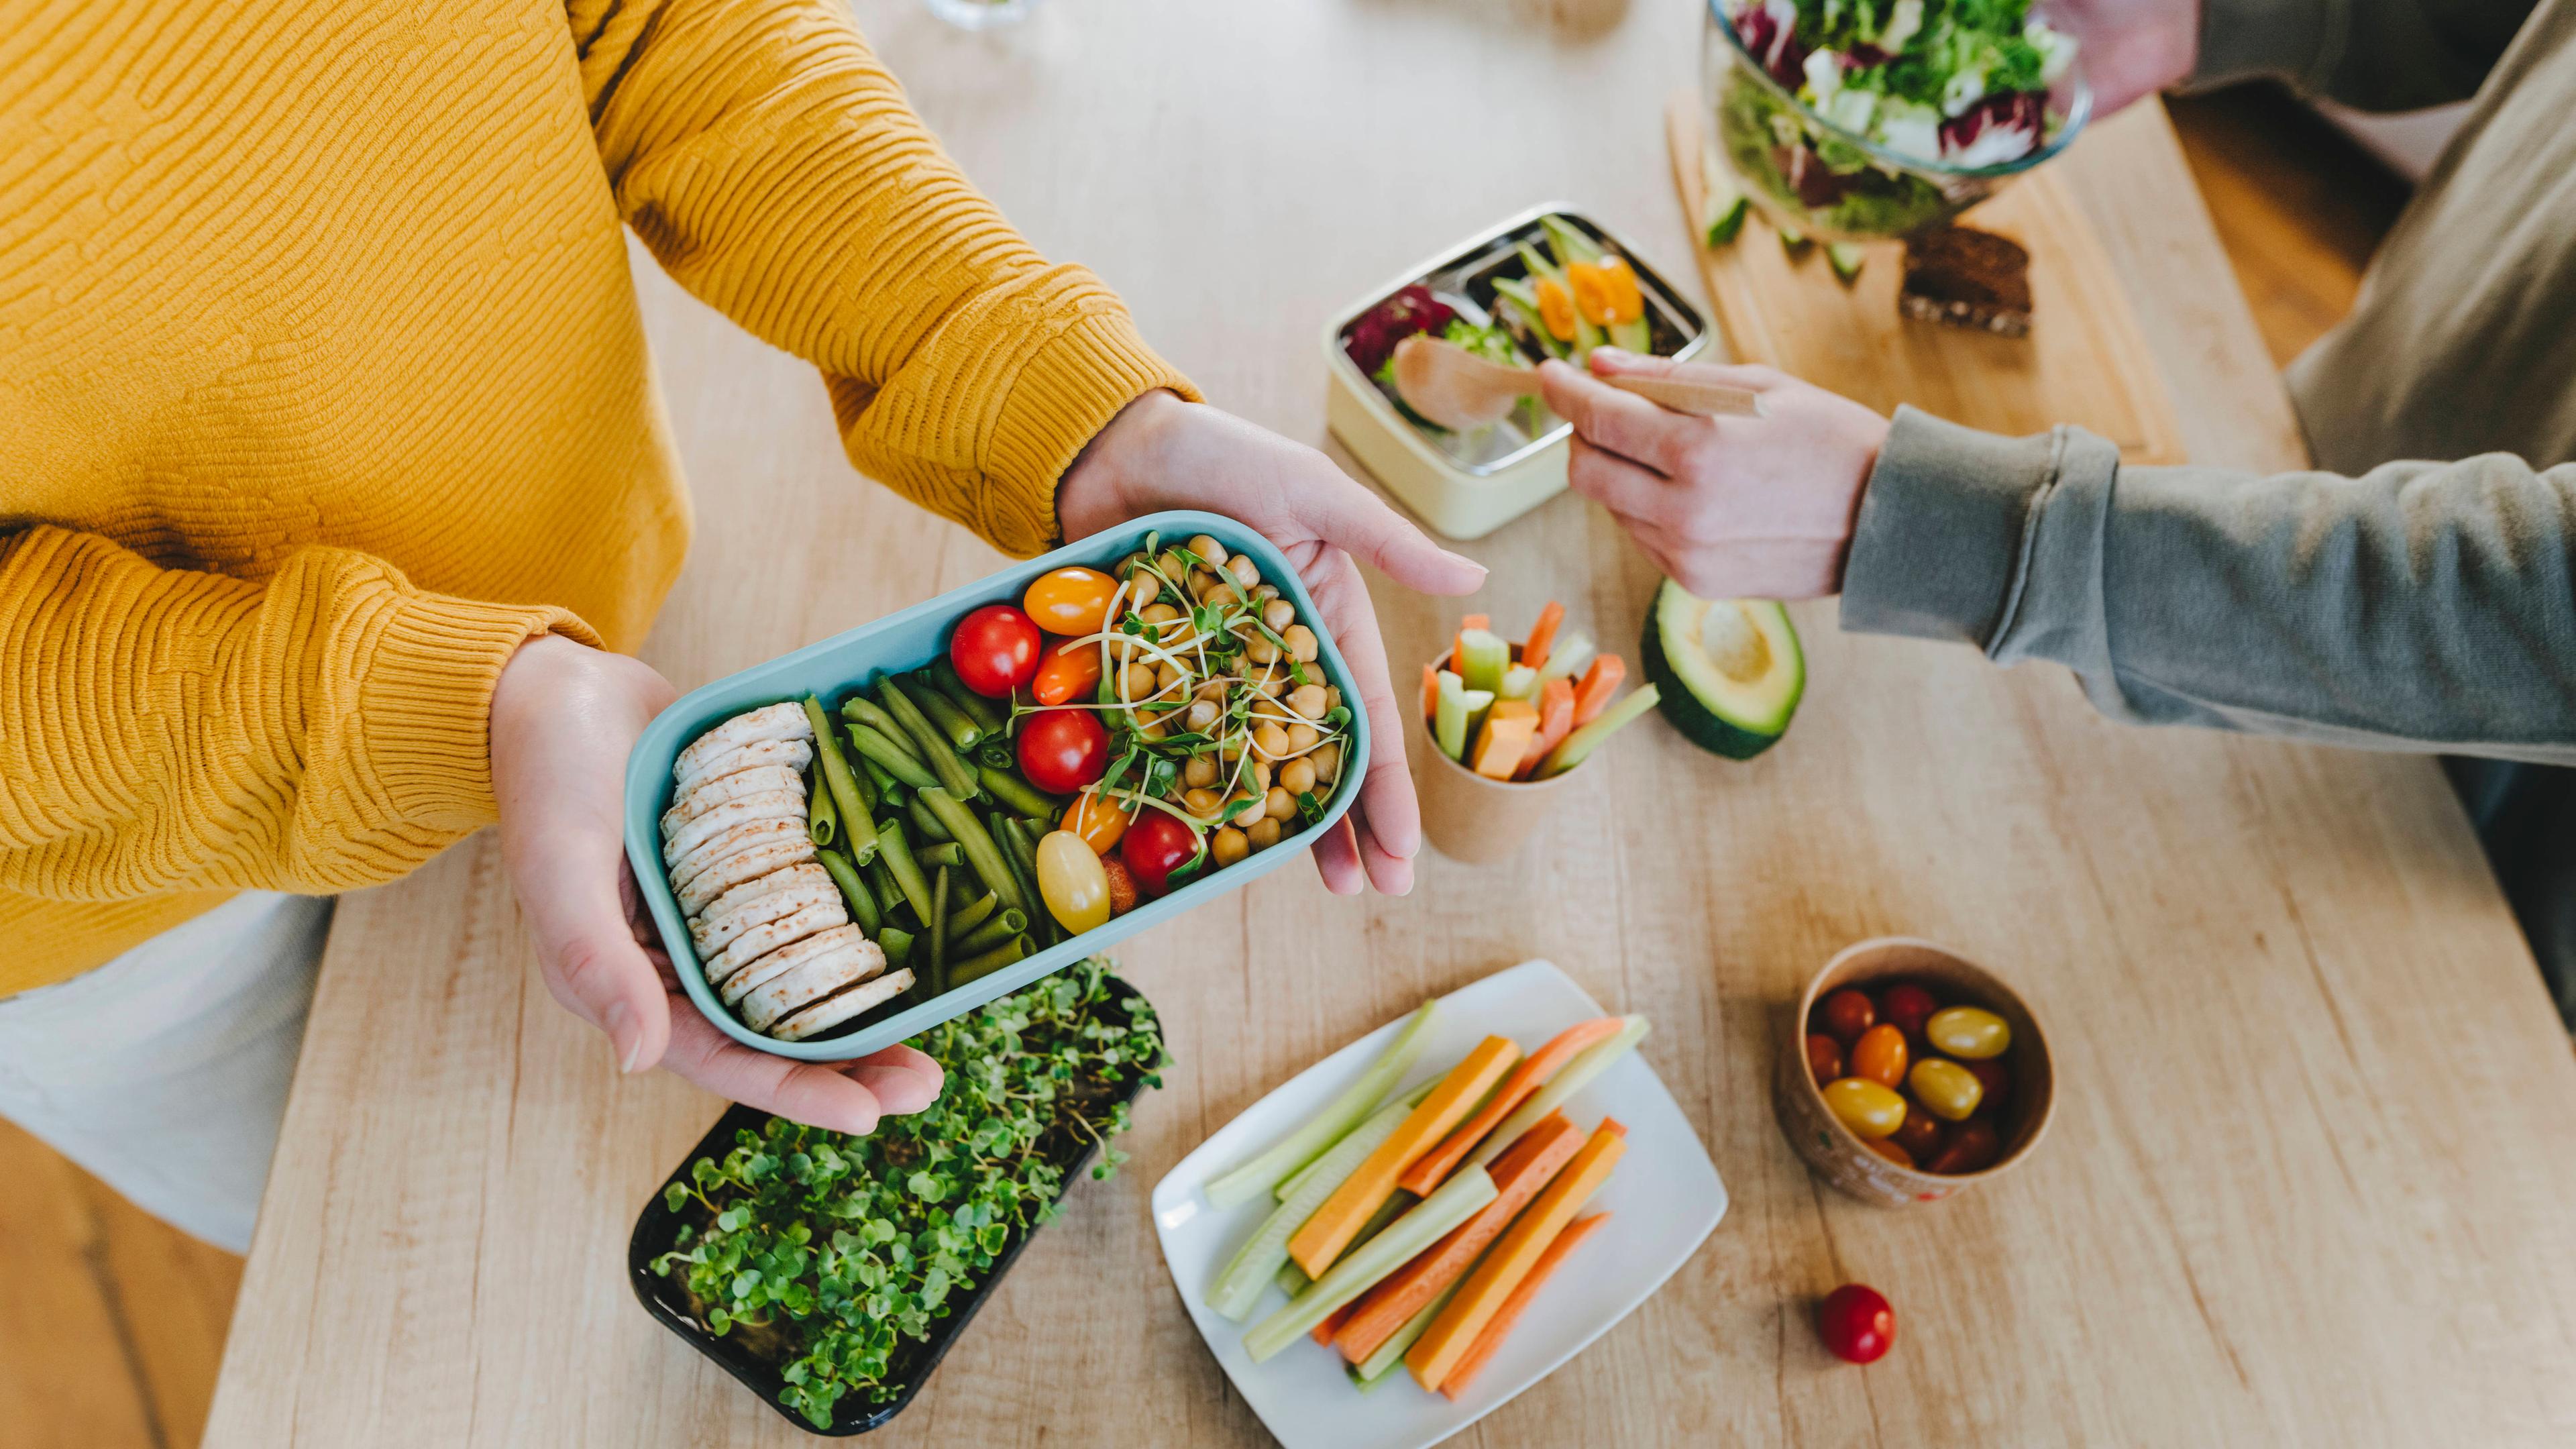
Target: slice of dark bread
(1967, 278)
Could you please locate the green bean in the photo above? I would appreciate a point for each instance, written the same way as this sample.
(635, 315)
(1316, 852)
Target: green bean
(822, 822)
(973, 967)
(939, 932)
(866, 784)
(896, 944)
(997, 754)
(881, 884)
(990, 713)
(946, 852)
(927, 823)
(1026, 876)
(967, 917)
(981, 853)
(952, 772)
(859, 709)
(962, 731)
(863, 906)
(1019, 794)
(883, 786)
(985, 937)
(907, 874)
(833, 768)
(893, 758)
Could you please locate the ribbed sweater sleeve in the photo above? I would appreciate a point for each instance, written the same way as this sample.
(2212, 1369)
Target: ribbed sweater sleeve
(165, 730)
(774, 168)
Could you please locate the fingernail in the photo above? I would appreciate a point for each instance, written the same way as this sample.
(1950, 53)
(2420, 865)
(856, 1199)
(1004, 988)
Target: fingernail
(619, 1021)
(1608, 353)
(1480, 569)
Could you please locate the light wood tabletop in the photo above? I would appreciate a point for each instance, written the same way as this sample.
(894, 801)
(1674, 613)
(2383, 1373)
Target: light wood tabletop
(2311, 1178)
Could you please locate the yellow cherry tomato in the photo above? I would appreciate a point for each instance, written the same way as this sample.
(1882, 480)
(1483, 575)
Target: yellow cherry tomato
(1069, 600)
(1100, 823)
(1946, 1089)
(1968, 1032)
(1607, 292)
(1880, 1055)
(1864, 1106)
(1556, 309)
(1070, 877)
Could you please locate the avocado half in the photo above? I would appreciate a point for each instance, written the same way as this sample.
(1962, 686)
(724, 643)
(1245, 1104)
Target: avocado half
(1729, 671)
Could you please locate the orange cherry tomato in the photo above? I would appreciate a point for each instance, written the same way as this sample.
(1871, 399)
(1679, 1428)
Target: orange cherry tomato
(1845, 1015)
(1889, 1148)
(1880, 1056)
(1556, 309)
(1973, 1147)
(1607, 292)
(1070, 600)
(1099, 822)
(1067, 671)
(1824, 1057)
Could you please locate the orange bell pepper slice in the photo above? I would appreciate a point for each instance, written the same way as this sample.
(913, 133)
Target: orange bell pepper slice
(1556, 309)
(1606, 292)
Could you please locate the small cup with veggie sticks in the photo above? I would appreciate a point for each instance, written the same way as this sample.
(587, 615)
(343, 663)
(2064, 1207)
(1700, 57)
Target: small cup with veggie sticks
(1504, 724)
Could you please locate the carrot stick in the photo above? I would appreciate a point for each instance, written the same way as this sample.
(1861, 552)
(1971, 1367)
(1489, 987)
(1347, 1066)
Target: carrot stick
(1542, 635)
(1431, 691)
(1518, 1174)
(1333, 1322)
(1505, 1316)
(1340, 1219)
(1599, 682)
(1458, 646)
(1526, 1078)
(1437, 1352)
(1555, 722)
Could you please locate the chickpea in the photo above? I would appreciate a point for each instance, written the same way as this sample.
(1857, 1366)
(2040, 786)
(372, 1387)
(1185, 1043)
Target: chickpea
(1262, 833)
(1302, 737)
(1198, 772)
(1260, 650)
(1158, 613)
(1201, 582)
(1166, 676)
(1229, 845)
(1201, 801)
(1245, 571)
(1211, 689)
(1301, 643)
(1308, 700)
(1202, 714)
(1207, 548)
(1268, 686)
(1332, 697)
(1297, 776)
(1135, 682)
(1230, 748)
(1155, 728)
(1279, 614)
(1328, 760)
(1270, 739)
(1142, 589)
(1266, 592)
(1173, 565)
(1279, 804)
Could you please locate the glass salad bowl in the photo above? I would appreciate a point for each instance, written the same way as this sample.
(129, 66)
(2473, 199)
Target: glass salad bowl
(1822, 178)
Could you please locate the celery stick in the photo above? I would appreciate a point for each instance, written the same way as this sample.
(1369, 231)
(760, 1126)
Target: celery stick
(1567, 659)
(1462, 1197)
(1238, 1289)
(1483, 656)
(1292, 1280)
(1449, 716)
(1519, 682)
(1579, 745)
(1569, 1079)
(1569, 244)
(1308, 1143)
(1477, 702)
(1372, 1371)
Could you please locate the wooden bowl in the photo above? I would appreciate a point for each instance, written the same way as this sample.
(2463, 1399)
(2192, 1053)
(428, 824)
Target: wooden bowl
(1837, 1154)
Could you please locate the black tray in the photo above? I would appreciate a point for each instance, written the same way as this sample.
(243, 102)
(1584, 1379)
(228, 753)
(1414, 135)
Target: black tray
(914, 1360)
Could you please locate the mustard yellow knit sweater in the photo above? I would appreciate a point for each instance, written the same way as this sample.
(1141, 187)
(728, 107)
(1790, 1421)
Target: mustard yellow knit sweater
(322, 388)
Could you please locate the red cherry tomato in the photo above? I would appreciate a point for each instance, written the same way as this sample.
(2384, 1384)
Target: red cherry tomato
(1824, 1057)
(1845, 1015)
(1906, 1007)
(1920, 1134)
(1070, 600)
(995, 650)
(1067, 671)
(1991, 1075)
(1062, 750)
(1880, 1055)
(1156, 845)
(1857, 1324)
(1973, 1147)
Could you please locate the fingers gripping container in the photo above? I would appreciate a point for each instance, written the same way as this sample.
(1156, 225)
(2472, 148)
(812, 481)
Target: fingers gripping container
(834, 667)
(1466, 485)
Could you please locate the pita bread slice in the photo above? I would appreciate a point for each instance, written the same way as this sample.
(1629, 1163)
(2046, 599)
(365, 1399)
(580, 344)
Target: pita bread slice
(751, 864)
(790, 754)
(708, 794)
(793, 877)
(767, 805)
(766, 969)
(734, 840)
(810, 982)
(821, 1016)
(716, 929)
(782, 721)
(759, 941)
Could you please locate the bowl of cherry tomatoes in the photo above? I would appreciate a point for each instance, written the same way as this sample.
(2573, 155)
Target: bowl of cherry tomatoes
(1908, 1072)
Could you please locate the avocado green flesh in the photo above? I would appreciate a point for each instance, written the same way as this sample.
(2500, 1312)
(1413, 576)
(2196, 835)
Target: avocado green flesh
(1730, 671)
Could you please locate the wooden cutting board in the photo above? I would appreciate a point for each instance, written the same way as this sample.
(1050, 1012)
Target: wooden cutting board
(2084, 361)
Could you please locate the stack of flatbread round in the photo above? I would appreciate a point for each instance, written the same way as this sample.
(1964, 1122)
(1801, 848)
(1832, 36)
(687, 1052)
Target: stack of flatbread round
(772, 931)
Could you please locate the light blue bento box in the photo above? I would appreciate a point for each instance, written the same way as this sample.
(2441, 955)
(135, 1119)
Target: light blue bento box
(907, 640)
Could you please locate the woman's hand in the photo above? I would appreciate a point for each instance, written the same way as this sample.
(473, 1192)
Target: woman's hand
(1161, 452)
(563, 719)
(1730, 508)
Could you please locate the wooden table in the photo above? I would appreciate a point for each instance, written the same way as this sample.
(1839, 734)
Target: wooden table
(2310, 1180)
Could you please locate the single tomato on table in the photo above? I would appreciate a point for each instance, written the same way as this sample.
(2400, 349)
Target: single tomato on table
(1856, 1323)
(1062, 750)
(1067, 671)
(1070, 601)
(1155, 846)
(995, 650)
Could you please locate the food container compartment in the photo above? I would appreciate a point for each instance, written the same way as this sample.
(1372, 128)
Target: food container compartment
(1838, 1156)
(1466, 485)
(908, 640)
(657, 1228)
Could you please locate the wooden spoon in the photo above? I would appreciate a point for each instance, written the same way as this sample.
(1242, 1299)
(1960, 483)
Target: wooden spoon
(1457, 389)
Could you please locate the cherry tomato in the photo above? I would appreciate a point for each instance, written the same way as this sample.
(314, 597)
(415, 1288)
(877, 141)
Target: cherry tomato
(1824, 1057)
(1156, 845)
(1070, 600)
(1945, 1088)
(1067, 671)
(1099, 822)
(1846, 1014)
(1880, 1055)
(1920, 1134)
(1856, 1323)
(1889, 1148)
(1973, 1147)
(1864, 1106)
(995, 650)
(1969, 1033)
(1907, 1006)
(1062, 750)
(1996, 1081)
(1070, 879)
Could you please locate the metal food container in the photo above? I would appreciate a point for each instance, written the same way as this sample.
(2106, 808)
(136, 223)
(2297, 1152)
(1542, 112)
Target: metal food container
(1466, 485)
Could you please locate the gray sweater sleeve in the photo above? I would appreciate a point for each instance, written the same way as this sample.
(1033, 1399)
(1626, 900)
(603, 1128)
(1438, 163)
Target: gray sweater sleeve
(2375, 55)
(2421, 606)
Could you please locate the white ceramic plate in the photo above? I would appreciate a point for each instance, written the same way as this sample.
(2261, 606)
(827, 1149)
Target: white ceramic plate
(1665, 1194)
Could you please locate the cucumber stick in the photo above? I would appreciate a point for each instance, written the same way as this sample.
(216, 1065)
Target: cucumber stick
(1372, 1371)
(1463, 1196)
(1242, 1184)
(1571, 1078)
(1567, 659)
(1238, 1288)
(1579, 745)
